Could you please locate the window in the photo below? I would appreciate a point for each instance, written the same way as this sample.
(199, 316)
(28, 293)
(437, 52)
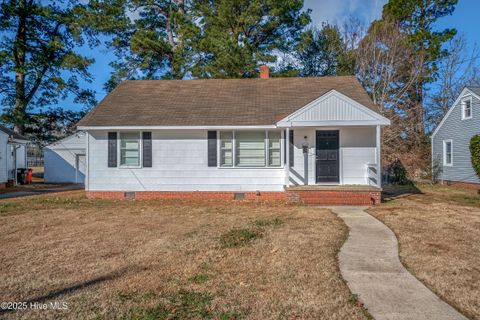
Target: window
(130, 149)
(274, 151)
(250, 149)
(447, 153)
(226, 149)
(467, 108)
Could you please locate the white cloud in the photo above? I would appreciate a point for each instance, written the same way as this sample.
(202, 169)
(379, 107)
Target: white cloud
(337, 11)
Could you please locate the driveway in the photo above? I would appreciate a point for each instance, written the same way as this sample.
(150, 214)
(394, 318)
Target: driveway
(37, 191)
(370, 264)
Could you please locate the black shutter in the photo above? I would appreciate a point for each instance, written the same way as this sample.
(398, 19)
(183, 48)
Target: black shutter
(112, 149)
(147, 149)
(291, 146)
(212, 148)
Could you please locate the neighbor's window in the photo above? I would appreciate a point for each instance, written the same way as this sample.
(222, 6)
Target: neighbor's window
(130, 148)
(226, 149)
(447, 152)
(250, 148)
(274, 150)
(467, 108)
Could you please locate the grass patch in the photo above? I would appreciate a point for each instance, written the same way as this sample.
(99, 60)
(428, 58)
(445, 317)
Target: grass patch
(238, 237)
(268, 222)
(181, 305)
(198, 278)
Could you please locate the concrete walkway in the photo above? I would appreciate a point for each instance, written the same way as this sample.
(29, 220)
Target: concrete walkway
(370, 264)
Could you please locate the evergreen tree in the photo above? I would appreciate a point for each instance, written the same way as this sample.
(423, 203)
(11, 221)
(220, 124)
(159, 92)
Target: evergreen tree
(237, 35)
(40, 61)
(416, 19)
(323, 53)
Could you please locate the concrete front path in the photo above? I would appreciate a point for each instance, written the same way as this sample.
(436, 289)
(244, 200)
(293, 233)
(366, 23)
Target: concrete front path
(370, 264)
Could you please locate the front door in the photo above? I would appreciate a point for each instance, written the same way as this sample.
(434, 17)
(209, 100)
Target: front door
(328, 164)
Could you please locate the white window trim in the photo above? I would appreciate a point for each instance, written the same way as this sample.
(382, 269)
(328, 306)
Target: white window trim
(467, 98)
(140, 150)
(234, 151)
(445, 153)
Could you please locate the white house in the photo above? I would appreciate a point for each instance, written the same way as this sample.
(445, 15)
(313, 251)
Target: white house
(65, 161)
(13, 155)
(267, 138)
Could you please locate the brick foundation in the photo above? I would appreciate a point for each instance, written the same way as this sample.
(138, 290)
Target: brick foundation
(466, 185)
(340, 197)
(3, 185)
(194, 195)
(319, 197)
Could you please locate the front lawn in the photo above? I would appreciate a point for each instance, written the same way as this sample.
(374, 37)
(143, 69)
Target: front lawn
(438, 229)
(172, 260)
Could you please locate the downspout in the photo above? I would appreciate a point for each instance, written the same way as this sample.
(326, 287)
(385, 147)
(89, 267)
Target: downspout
(15, 147)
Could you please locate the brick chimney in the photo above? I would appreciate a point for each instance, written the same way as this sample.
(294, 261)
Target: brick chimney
(264, 72)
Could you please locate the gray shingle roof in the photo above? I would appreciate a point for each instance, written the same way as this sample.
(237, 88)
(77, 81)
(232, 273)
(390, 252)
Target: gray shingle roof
(215, 102)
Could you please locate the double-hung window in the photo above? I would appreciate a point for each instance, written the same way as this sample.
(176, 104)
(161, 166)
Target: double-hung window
(447, 153)
(250, 149)
(467, 108)
(130, 149)
(226, 149)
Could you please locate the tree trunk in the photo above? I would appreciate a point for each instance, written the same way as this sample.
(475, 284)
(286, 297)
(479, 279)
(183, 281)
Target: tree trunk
(19, 49)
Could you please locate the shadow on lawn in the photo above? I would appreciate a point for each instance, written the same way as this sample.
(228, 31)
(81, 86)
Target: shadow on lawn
(396, 191)
(74, 287)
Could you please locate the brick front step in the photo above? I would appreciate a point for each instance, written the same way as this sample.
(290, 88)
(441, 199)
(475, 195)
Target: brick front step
(319, 197)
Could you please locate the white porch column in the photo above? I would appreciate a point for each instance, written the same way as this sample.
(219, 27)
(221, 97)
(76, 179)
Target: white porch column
(378, 156)
(287, 156)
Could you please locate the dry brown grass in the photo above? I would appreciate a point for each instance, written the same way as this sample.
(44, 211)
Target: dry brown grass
(146, 260)
(439, 238)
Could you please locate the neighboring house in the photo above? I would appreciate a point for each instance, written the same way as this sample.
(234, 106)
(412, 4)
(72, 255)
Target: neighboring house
(13, 155)
(227, 139)
(451, 161)
(65, 160)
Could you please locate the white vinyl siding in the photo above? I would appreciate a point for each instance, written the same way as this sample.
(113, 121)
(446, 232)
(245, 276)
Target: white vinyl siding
(180, 163)
(226, 149)
(130, 149)
(447, 153)
(250, 149)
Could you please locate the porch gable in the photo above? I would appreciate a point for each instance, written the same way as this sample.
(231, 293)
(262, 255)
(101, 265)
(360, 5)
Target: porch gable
(332, 109)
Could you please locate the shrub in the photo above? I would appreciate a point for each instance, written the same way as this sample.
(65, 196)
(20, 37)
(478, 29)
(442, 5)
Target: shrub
(475, 153)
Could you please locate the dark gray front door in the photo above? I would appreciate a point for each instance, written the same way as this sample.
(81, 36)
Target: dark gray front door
(328, 164)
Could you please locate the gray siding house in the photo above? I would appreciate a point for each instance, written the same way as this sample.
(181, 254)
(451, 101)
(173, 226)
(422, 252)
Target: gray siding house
(451, 160)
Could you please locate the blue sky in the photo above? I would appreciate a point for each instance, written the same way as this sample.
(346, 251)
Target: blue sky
(464, 19)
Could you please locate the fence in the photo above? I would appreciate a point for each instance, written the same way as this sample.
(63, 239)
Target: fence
(34, 156)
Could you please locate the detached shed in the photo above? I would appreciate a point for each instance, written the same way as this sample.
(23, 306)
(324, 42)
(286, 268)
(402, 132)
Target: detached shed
(65, 160)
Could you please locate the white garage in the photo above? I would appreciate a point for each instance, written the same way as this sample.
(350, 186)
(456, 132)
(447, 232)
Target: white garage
(65, 160)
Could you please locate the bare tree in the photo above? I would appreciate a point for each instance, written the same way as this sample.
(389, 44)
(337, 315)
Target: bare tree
(388, 68)
(456, 70)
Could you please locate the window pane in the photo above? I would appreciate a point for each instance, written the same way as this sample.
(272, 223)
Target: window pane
(130, 148)
(274, 148)
(448, 152)
(226, 149)
(250, 150)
